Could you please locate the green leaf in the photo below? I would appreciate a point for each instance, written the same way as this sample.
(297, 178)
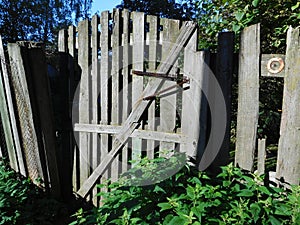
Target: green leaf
(236, 28)
(190, 192)
(158, 189)
(264, 190)
(245, 193)
(255, 3)
(255, 210)
(295, 6)
(274, 221)
(176, 221)
(239, 15)
(164, 206)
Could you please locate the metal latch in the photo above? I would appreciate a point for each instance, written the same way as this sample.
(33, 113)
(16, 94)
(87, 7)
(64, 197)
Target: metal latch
(179, 78)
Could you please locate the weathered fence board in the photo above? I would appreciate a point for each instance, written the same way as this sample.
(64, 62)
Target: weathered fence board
(168, 106)
(248, 97)
(288, 161)
(152, 39)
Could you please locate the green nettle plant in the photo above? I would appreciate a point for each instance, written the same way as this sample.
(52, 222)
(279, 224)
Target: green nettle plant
(21, 202)
(192, 197)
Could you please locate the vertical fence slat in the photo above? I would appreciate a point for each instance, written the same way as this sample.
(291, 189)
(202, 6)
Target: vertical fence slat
(84, 110)
(7, 116)
(126, 87)
(261, 156)
(95, 92)
(115, 111)
(168, 103)
(248, 97)
(11, 111)
(191, 97)
(288, 161)
(223, 74)
(153, 47)
(104, 76)
(137, 64)
(28, 133)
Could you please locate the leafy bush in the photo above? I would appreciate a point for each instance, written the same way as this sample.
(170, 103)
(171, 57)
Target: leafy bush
(193, 197)
(21, 202)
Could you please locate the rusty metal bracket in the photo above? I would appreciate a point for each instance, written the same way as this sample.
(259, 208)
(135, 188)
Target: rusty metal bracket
(174, 77)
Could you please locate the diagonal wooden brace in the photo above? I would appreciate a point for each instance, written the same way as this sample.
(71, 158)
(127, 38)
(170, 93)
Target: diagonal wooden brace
(186, 31)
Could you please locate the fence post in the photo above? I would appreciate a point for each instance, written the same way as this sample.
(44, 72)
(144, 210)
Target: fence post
(288, 160)
(248, 97)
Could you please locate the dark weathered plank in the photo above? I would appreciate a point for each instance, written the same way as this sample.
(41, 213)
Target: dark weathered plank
(288, 159)
(7, 114)
(248, 97)
(28, 132)
(132, 122)
(223, 75)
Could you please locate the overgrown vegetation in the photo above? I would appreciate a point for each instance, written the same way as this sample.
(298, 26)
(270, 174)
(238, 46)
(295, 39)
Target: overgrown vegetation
(193, 197)
(22, 202)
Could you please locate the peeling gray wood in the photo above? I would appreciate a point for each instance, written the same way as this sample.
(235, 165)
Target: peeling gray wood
(144, 134)
(288, 158)
(261, 156)
(248, 97)
(84, 97)
(8, 94)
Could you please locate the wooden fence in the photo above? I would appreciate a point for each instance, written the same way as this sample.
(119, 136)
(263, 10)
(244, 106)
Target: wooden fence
(136, 85)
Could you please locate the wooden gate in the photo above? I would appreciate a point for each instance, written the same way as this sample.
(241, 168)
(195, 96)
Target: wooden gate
(139, 93)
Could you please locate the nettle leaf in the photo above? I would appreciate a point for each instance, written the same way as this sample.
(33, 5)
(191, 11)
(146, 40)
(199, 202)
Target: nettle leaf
(164, 206)
(239, 15)
(176, 221)
(158, 189)
(245, 193)
(255, 210)
(274, 221)
(190, 192)
(255, 3)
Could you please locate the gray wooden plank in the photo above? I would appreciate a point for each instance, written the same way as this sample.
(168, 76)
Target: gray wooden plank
(8, 94)
(152, 39)
(29, 139)
(139, 107)
(115, 74)
(248, 97)
(191, 98)
(84, 97)
(261, 156)
(104, 76)
(272, 65)
(288, 158)
(8, 135)
(168, 103)
(138, 48)
(126, 104)
(145, 134)
(95, 92)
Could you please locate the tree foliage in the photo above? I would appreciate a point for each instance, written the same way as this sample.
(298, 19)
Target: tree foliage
(163, 8)
(39, 20)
